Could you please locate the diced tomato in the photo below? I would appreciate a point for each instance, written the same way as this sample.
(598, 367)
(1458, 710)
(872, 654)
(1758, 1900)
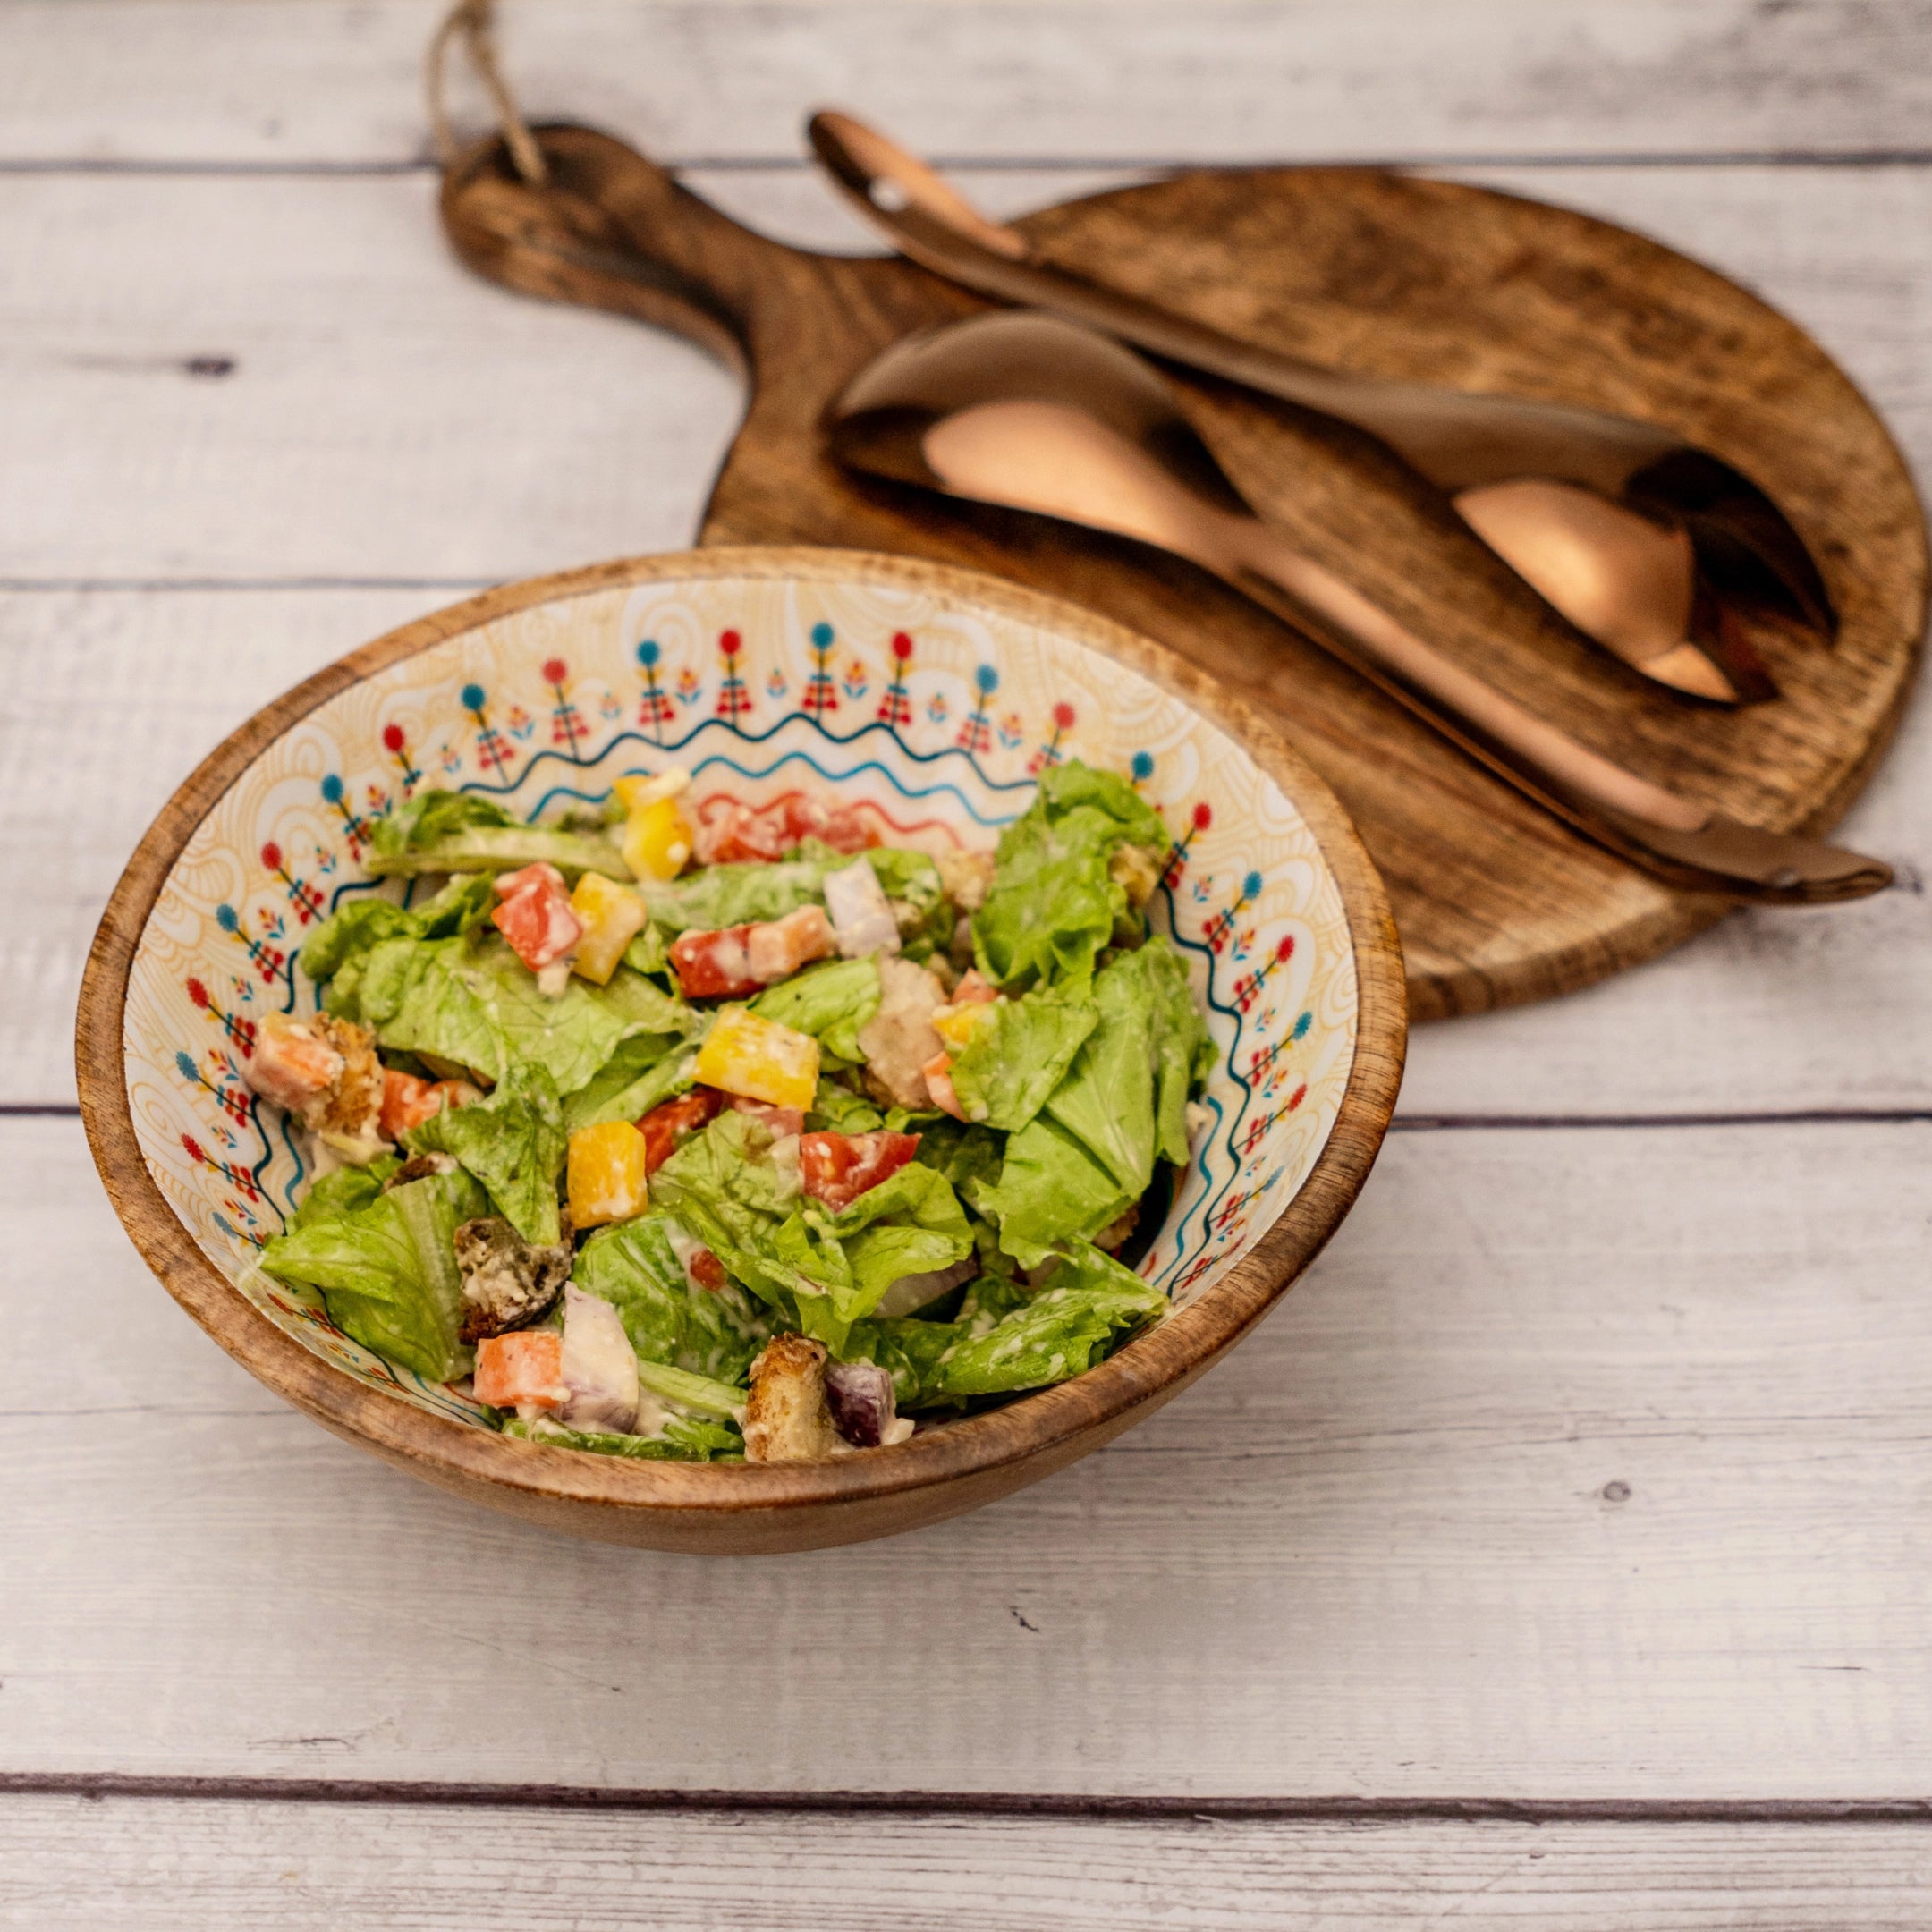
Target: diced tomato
(536, 917)
(938, 1072)
(781, 1120)
(737, 959)
(974, 991)
(707, 1270)
(522, 1369)
(846, 830)
(676, 1120)
(734, 834)
(408, 1102)
(837, 1168)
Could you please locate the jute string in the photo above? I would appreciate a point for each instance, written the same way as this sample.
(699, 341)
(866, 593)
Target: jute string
(475, 22)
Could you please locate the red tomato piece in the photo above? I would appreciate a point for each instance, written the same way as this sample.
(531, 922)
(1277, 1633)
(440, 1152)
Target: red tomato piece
(846, 830)
(973, 991)
(837, 1168)
(737, 959)
(407, 1102)
(707, 1270)
(663, 1127)
(536, 917)
(781, 1120)
(735, 834)
(524, 1369)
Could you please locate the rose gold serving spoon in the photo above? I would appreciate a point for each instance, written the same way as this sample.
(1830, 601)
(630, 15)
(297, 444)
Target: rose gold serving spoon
(1637, 536)
(1032, 412)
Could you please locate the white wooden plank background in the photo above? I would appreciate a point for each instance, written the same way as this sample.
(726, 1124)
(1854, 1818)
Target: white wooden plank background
(1587, 1464)
(67, 1862)
(1588, 1467)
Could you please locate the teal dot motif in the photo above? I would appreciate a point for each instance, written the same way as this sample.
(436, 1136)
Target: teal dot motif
(1142, 766)
(472, 697)
(332, 788)
(821, 637)
(226, 918)
(1250, 886)
(988, 679)
(648, 654)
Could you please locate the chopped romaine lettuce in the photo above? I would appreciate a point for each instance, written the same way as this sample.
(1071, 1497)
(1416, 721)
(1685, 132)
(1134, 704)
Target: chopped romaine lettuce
(645, 1071)
(702, 1332)
(1018, 1052)
(461, 831)
(837, 1109)
(387, 1271)
(513, 1143)
(831, 1002)
(1050, 1189)
(1053, 905)
(344, 1192)
(685, 1440)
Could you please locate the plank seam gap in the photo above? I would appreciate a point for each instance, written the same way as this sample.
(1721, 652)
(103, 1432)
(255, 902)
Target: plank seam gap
(99, 1785)
(1796, 157)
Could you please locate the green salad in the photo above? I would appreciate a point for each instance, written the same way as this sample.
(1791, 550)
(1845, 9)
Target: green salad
(729, 1133)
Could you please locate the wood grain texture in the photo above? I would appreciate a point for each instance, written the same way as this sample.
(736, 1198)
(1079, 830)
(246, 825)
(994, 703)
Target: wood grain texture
(182, 1866)
(307, 81)
(760, 1508)
(1497, 902)
(1581, 1465)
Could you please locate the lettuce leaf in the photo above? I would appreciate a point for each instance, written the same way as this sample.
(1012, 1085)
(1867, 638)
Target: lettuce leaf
(513, 1143)
(837, 1109)
(735, 895)
(964, 1154)
(634, 1267)
(1090, 1302)
(645, 1071)
(387, 1271)
(685, 1439)
(345, 1191)
(1051, 907)
(462, 832)
(350, 931)
(727, 1193)
(830, 1001)
(420, 996)
(1126, 1095)
(1049, 1190)
(1017, 1053)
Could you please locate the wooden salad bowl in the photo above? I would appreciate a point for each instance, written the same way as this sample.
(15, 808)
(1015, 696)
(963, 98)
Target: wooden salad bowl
(923, 681)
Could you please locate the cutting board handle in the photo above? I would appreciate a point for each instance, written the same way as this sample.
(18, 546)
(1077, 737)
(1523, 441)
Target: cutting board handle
(610, 230)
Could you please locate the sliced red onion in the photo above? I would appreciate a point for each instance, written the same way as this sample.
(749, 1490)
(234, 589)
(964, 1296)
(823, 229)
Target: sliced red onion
(599, 1366)
(860, 917)
(860, 1396)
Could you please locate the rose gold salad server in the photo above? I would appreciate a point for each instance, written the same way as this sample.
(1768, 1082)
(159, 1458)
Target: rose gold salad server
(1645, 542)
(1034, 414)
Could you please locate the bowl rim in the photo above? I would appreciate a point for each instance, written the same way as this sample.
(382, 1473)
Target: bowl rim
(1147, 1369)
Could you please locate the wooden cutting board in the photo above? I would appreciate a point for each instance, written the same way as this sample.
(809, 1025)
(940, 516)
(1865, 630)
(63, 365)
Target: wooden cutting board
(1496, 902)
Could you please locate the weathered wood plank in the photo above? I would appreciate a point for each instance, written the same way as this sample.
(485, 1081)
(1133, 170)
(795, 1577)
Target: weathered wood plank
(1585, 1464)
(317, 1868)
(323, 80)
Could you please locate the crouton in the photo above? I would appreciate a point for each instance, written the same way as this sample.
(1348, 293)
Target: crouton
(787, 1418)
(967, 876)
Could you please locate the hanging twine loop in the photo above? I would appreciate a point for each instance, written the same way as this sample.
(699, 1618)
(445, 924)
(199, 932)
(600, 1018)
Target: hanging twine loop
(474, 20)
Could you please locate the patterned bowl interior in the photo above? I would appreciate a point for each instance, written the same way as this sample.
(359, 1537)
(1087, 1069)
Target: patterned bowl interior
(939, 713)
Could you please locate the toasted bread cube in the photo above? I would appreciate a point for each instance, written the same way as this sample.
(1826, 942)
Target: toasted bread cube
(524, 1370)
(607, 1169)
(611, 915)
(787, 1418)
(759, 1059)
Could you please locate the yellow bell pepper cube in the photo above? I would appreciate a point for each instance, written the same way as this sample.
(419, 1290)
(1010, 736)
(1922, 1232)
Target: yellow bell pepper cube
(956, 1025)
(612, 916)
(658, 837)
(607, 1175)
(759, 1059)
